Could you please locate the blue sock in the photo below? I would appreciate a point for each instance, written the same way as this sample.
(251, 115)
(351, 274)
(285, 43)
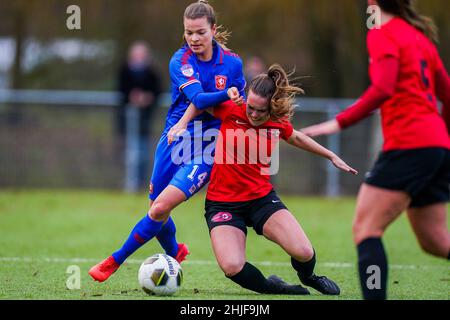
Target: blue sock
(144, 230)
(166, 238)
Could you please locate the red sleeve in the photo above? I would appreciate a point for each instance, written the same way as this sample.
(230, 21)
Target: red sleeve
(380, 45)
(222, 110)
(287, 130)
(382, 88)
(442, 80)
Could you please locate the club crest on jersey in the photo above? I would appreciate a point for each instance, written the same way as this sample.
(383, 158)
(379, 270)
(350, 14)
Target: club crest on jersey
(221, 82)
(222, 217)
(187, 70)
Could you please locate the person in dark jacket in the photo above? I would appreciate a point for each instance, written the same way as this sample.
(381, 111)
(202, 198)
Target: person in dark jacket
(140, 85)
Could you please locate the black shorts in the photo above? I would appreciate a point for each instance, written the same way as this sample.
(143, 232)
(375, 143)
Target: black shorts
(422, 173)
(252, 213)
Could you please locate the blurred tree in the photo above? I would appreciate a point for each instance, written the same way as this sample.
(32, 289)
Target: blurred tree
(323, 39)
(20, 14)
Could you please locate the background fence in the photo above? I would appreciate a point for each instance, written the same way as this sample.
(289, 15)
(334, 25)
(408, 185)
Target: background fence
(65, 139)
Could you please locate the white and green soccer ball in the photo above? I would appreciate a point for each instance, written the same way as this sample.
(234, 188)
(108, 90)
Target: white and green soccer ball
(160, 275)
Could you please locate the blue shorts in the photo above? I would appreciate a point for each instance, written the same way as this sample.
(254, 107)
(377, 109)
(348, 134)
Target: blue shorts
(188, 176)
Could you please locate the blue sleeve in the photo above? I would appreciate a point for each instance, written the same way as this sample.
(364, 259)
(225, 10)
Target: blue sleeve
(184, 77)
(206, 100)
(203, 100)
(183, 74)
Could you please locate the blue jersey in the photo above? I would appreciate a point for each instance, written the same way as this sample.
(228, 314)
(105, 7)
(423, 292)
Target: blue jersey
(190, 77)
(223, 71)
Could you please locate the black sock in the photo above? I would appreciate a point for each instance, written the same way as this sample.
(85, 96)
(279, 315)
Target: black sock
(252, 279)
(448, 257)
(373, 269)
(304, 269)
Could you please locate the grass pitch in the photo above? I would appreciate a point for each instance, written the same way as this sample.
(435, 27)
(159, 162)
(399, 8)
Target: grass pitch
(43, 234)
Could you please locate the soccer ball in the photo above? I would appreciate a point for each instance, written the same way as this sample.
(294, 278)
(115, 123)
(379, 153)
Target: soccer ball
(160, 275)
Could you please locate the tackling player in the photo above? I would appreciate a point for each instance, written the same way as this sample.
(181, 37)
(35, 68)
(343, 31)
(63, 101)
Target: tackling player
(240, 193)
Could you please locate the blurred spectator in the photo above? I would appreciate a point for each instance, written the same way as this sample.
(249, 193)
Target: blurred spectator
(140, 85)
(253, 67)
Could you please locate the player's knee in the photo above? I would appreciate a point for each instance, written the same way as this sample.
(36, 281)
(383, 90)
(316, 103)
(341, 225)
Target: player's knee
(362, 231)
(435, 248)
(357, 228)
(427, 247)
(303, 253)
(159, 211)
(231, 268)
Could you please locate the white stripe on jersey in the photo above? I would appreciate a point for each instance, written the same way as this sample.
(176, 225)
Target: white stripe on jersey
(188, 83)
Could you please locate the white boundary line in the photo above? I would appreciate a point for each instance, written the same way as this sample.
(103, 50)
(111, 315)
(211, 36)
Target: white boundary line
(339, 265)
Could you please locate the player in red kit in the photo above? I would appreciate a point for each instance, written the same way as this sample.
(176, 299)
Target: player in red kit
(240, 193)
(413, 170)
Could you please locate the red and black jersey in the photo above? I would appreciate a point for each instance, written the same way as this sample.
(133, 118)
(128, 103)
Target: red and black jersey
(410, 117)
(243, 155)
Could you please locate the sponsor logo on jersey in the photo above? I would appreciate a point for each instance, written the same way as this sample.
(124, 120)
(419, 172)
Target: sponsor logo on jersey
(222, 217)
(262, 146)
(240, 122)
(187, 70)
(221, 82)
(274, 133)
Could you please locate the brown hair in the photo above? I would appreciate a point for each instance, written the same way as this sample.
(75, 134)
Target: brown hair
(405, 9)
(274, 86)
(201, 9)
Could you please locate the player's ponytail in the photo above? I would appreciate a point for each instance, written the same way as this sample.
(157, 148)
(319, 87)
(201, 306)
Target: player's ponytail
(405, 9)
(275, 86)
(201, 9)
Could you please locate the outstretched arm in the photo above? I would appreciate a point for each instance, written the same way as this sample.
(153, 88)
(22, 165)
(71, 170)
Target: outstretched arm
(302, 141)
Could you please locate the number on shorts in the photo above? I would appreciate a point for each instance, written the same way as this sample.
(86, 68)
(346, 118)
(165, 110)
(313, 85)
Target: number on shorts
(193, 172)
(201, 179)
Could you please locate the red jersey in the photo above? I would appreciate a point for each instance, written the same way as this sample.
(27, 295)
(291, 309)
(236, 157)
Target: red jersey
(410, 117)
(243, 155)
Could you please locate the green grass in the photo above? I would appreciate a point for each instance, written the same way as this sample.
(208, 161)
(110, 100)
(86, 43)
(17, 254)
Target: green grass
(48, 230)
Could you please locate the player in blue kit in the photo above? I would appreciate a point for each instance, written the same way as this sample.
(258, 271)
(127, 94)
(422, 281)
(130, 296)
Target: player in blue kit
(203, 72)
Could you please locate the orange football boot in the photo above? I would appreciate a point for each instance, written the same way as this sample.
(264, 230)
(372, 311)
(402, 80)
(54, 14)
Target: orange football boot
(183, 251)
(102, 271)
